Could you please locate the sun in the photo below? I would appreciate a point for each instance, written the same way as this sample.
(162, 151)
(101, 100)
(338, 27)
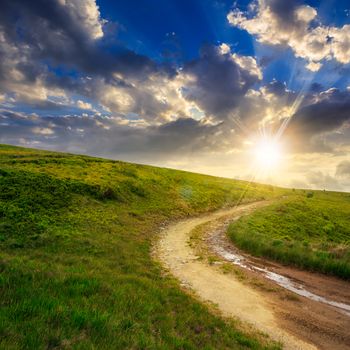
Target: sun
(268, 153)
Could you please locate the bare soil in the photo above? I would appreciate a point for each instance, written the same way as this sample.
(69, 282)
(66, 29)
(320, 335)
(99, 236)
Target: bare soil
(297, 322)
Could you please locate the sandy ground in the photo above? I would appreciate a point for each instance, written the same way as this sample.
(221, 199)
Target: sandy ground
(296, 322)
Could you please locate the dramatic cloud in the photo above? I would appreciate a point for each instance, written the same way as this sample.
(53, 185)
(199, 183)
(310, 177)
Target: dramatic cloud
(67, 82)
(109, 136)
(87, 14)
(287, 23)
(220, 79)
(324, 112)
(37, 38)
(83, 105)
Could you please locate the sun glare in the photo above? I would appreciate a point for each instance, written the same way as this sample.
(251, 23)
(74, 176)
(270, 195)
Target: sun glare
(268, 153)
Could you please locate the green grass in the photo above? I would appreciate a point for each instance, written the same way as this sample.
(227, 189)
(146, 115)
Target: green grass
(310, 230)
(76, 236)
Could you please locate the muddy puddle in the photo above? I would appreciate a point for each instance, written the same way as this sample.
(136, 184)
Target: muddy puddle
(219, 245)
(319, 319)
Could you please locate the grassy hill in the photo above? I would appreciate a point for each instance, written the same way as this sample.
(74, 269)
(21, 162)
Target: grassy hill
(308, 229)
(76, 237)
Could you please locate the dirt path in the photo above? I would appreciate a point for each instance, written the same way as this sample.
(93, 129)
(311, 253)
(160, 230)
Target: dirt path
(232, 296)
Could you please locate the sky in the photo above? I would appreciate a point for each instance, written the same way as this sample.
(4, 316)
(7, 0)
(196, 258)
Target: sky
(256, 90)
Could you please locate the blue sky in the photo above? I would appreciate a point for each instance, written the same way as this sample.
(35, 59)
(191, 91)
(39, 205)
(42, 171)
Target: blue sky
(191, 84)
(150, 27)
(174, 31)
(145, 24)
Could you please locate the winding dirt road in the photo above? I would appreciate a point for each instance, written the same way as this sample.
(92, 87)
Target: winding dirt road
(285, 319)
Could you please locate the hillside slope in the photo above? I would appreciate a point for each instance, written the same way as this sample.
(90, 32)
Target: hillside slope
(309, 229)
(76, 270)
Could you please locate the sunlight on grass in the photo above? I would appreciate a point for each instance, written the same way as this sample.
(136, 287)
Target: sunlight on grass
(76, 272)
(309, 229)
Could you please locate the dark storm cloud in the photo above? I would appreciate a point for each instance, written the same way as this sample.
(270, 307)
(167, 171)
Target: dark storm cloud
(53, 52)
(105, 137)
(328, 113)
(220, 82)
(52, 15)
(51, 56)
(52, 32)
(184, 134)
(47, 30)
(284, 10)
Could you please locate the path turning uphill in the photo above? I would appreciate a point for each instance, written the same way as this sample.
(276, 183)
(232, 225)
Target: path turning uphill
(233, 297)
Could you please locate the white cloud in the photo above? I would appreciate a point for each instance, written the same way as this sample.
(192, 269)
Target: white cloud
(87, 14)
(314, 66)
(248, 63)
(84, 105)
(156, 98)
(42, 131)
(341, 43)
(116, 99)
(314, 43)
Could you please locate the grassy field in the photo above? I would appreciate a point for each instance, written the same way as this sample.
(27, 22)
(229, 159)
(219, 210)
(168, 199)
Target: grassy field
(310, 230)
(76, 236)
